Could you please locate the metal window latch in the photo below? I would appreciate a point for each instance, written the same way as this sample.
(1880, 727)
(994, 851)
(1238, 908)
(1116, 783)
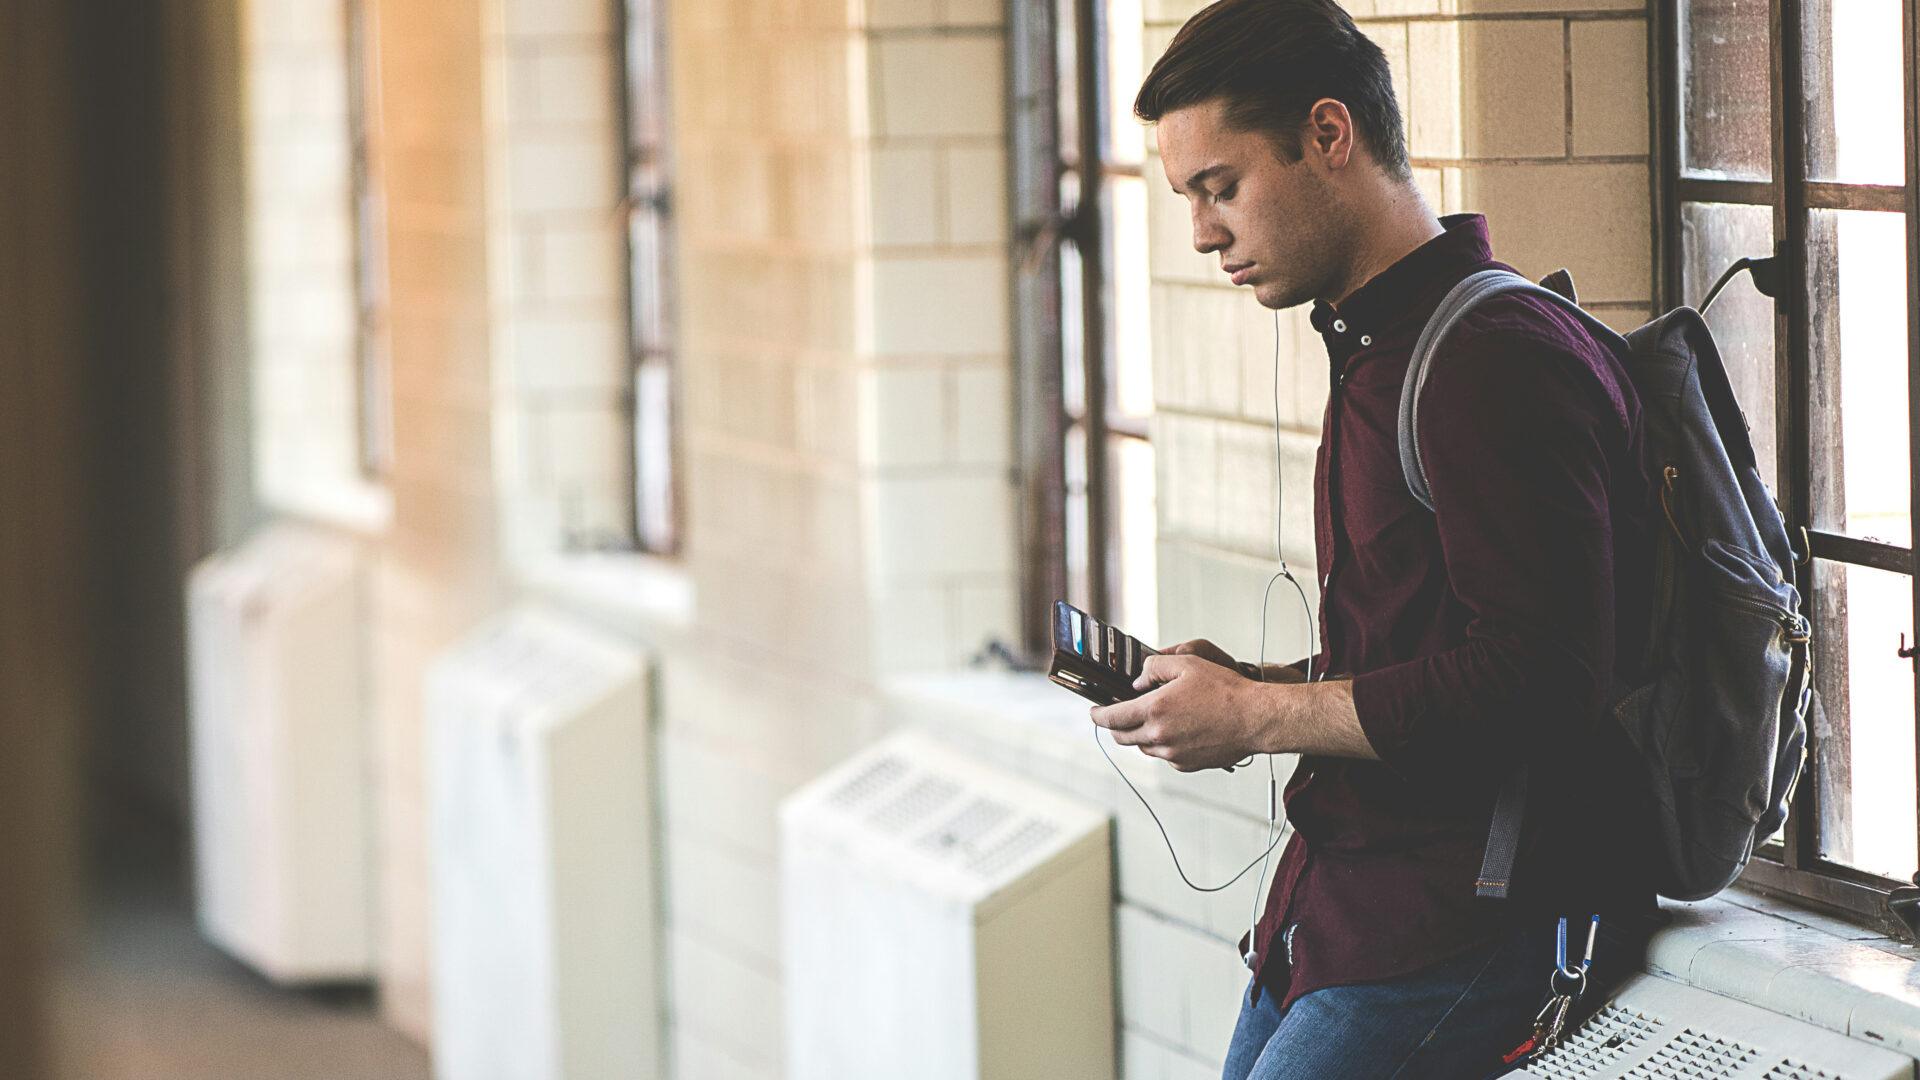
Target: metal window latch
(1905, 652)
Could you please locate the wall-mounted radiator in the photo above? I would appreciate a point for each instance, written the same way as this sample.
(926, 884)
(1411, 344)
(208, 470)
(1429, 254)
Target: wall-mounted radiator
(1654, 1029)
(281, 826)
(544, 950)
(945, 921)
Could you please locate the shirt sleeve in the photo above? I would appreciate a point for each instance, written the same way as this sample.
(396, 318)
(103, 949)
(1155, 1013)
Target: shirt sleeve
(1513, 433)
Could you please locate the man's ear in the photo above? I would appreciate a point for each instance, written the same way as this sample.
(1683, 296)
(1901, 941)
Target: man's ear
(1328, 135)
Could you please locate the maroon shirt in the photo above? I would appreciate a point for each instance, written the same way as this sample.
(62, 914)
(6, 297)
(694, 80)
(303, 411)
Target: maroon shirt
(1478, 636)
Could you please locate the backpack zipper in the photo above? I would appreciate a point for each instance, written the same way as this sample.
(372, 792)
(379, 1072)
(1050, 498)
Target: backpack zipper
(1792, 624)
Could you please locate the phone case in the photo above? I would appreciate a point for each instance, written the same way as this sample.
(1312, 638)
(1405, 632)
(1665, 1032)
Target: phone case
(1092, 659)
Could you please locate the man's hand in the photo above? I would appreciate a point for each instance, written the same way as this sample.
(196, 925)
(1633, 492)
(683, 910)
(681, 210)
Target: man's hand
(1195, 715)
(1207, 650)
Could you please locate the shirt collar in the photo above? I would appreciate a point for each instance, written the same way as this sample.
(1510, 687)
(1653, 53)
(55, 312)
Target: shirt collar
(1399, 292)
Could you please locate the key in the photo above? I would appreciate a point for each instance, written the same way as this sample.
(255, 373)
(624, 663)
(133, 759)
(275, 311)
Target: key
(1556, 1025)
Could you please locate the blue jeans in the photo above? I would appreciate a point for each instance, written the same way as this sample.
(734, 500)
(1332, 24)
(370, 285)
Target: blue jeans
(1450, 1021)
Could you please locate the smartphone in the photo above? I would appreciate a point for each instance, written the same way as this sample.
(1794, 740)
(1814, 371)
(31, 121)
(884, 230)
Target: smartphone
(1092, 659)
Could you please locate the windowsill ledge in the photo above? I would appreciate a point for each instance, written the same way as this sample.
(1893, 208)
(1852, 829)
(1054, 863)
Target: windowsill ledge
(1787, 960)
(638, 593)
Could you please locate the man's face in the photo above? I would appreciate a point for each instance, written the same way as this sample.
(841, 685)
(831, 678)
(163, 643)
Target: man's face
(1274, 223)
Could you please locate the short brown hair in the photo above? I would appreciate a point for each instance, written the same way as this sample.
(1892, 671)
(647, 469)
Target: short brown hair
(1271, 60)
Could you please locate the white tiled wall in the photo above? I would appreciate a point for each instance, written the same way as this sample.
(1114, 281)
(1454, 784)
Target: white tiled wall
(556, 249)
(301, 251)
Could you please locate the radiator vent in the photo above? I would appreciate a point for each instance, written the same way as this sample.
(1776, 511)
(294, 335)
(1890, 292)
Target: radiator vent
(1657, 1029)
(970, 908)
(282, 834)
(1611, 1035)
(539, 779)
(1691, 1053)
(1796, 1070)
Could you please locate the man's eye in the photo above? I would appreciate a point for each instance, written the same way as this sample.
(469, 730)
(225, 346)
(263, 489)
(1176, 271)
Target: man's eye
(1225, 193)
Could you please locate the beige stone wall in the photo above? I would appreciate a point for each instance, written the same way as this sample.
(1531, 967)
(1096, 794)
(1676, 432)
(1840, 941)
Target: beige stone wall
(843, 303)
(437, 567)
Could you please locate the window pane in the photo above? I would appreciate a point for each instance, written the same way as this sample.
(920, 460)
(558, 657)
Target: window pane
(1713, 237)
(1725, 111)
(1126, 138)
(1130, 477)
(646, 269)
(653, 455)
(1066, 35)
(1864, 742)
(1073, 373)
(1131, 381)
(1079, 587)
(1853, 89)
(1857, 295)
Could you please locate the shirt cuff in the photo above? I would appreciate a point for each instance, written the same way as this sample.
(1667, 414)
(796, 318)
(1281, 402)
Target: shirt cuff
(1386, 703)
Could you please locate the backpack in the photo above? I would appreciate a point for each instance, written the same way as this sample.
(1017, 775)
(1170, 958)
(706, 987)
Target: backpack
(1720, 724)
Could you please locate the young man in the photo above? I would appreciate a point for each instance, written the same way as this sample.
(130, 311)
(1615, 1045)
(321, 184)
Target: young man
(1462, 642)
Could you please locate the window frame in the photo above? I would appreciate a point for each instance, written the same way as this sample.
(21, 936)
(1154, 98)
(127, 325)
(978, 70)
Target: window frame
(373, 360)
(1039, 161)
(657, 520)
(1796, 868)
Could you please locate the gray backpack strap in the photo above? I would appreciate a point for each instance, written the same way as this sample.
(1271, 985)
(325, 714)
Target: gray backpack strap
(1462, 299)
(1503, 837)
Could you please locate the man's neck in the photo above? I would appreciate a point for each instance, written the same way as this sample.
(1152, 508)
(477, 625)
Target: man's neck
(1398, 222)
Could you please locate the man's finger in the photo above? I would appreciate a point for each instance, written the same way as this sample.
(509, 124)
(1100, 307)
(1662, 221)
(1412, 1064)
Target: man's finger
(1156, 669)
(1120, 716)
(1145, 736)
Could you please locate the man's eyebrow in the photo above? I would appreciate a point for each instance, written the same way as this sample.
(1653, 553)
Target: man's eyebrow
(1217, 167)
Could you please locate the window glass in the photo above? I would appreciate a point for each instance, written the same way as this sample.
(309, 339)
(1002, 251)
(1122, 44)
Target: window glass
(1079, 584)
(1864, 731)
(1130, 472)
(1856, 304)
(1073, 374)
(1713, 237)
(1725, 109)
(1126, 138)
(649, 296)
(1853, 85)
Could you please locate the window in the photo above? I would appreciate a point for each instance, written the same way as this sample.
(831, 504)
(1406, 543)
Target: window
(1784, 132)
(1081, 302)
(656, 496)
(372, 362)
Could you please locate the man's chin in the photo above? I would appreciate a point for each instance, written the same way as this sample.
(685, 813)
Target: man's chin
(1277, 296)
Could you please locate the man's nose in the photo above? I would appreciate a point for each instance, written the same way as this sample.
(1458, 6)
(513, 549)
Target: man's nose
(1208, 235)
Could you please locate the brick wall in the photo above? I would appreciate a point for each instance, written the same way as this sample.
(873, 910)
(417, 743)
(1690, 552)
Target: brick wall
(436, 569)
